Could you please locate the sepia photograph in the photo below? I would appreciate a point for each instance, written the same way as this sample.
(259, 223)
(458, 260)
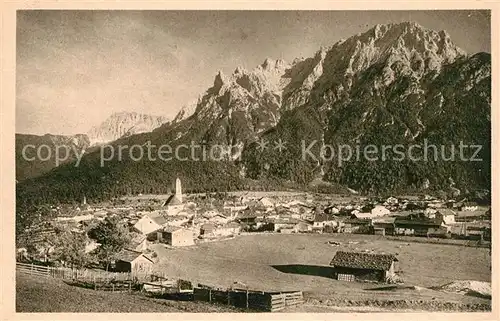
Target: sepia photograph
(250, 161)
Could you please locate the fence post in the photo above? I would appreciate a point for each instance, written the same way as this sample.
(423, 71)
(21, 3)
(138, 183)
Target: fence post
(247, 298)
(228, 297)
(129, 286)
(113, 287)
(32, 268)
(209, 295)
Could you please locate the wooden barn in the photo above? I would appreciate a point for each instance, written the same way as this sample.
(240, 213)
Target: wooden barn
(351, 266)
(133, 261)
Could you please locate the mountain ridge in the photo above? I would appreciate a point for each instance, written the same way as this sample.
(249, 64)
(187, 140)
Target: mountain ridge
(121, 124)
(117, 125)
(395, 83)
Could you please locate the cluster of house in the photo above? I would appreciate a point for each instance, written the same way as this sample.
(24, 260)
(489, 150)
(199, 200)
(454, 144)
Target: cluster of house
(429, 217)
(179, 223)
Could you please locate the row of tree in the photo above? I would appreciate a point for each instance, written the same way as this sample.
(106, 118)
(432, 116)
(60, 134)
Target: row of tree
(69, 247)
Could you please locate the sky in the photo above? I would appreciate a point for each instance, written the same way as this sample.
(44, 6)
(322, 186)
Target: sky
(76, 68)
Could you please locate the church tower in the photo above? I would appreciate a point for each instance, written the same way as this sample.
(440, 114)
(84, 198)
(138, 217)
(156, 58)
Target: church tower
(178, 189)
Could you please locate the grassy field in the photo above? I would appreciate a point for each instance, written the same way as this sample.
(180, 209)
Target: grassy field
(280, 262)
(35, 294)
(300, 262)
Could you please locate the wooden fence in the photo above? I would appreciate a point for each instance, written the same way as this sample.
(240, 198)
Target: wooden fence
(166, 286)
(255, 300)
(36, 270)
(112, 286)
(80, 274)
(112, 281)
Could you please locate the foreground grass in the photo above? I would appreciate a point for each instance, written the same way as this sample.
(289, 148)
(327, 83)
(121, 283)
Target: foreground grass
(281, 262)
(35, 294)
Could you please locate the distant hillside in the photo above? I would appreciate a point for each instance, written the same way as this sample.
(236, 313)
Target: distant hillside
(118, 125)
(31, 165)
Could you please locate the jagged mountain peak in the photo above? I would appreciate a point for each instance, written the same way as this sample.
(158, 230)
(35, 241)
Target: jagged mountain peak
(405, 48)
(398, 37)
(270, 64)
(220, 80)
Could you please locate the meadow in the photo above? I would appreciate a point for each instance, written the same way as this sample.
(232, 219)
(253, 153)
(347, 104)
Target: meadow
(281, 262)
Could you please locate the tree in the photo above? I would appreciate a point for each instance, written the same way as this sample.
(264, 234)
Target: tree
(113, 236)
(70, 249)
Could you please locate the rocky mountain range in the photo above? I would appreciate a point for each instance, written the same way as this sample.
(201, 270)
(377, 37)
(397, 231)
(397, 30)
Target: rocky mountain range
(124, 124)
(393, 84)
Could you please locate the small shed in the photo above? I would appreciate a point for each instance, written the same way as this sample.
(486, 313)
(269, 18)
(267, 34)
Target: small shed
(386, 226)
(133, 261)
(379, 231)
(349, 266)
(446, 216)
(207, 229)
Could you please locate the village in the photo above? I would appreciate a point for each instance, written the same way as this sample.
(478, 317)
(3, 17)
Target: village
(161, 224)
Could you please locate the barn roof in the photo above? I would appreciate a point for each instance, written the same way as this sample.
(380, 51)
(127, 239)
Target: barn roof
(323, 217)
(362, 216)
(404, 221)
(171, 229)
(231, 225)
(128, 255)
(172, 200)
(446, 211)
(157, 218)
(208, 226)
(359, 260)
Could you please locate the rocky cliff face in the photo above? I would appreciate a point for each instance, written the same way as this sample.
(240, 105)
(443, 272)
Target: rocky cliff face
(395, 84)
(255, 100)
(124, 124)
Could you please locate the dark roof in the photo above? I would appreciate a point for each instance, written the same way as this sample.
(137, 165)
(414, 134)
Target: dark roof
(402, 221)
(356, 221)
(283, 220)
(446, 211)
(171, 229)
(232, 225)
(208, 226)
(157, 218)
(383, 224)
(359, 260)
(128, 255)
(322, 217)
(172, 200)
